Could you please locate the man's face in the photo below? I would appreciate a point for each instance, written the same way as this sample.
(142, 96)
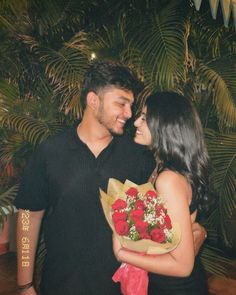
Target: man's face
(114, 109)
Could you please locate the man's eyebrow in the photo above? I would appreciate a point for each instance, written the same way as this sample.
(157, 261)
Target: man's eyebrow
(144, 114)
(125, 99)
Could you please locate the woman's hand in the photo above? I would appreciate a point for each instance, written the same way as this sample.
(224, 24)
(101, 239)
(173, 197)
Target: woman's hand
(116, 246)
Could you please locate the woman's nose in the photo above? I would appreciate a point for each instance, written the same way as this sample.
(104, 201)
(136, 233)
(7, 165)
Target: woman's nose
(137, 122)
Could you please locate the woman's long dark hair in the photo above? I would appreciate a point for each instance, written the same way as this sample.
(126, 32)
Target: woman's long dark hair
(178, 140)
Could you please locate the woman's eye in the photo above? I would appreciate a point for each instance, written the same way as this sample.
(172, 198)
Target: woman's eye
(138, 115)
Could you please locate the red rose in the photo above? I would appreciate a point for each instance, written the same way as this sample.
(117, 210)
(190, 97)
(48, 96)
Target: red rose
(139, 204)
(136, 215)
(144, 236)
(141, 226)
(122, 228)
(132, 192)
(158, 235)
(159, 210)
(119, 204)
(150, 195)
(168, 221)
(161, 225)
(118, 216)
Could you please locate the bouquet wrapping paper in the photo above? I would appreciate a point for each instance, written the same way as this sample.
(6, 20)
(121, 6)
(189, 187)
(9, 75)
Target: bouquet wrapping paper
(134, 281)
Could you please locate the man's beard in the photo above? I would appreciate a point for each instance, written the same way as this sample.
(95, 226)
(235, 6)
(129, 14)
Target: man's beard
(102, 121)
(109, 128)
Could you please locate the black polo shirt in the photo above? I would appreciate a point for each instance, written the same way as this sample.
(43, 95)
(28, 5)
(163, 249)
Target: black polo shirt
(64, 177)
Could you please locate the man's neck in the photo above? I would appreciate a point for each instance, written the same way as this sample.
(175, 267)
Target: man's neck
(96, 137)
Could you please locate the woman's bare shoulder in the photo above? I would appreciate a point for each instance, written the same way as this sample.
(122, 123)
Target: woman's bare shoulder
(171, 181)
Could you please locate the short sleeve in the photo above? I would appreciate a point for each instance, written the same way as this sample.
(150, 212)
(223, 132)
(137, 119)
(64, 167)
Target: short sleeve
(33, 191)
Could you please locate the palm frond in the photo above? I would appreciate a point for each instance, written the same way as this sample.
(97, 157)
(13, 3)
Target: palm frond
(34, 131)
(212, 223)
(214, 261)
(12, 145)
(111, 42)
(14, 17)
(6, 202)
(10, 27)
(66, 66)
(211, 38)
(222, 151)
(55, 17)
(70, 101)
(217, 85)
(9, 90)
(162, 43)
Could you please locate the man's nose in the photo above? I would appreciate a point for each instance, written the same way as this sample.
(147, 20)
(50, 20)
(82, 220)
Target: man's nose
(128, 112)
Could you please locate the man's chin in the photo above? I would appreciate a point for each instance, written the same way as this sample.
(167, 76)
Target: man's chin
(116, 132)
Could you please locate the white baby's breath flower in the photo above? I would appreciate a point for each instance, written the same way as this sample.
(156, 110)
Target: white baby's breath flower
(168, 233)
(150, 218)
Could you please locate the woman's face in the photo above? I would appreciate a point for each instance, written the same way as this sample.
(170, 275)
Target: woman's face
(143, 134)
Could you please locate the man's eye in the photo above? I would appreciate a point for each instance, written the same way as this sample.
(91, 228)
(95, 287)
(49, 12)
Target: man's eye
(120, 103)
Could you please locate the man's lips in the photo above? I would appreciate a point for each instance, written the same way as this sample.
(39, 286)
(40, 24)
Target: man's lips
(121, 121)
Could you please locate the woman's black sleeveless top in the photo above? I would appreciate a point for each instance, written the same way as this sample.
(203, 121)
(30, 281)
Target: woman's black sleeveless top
(195, 284)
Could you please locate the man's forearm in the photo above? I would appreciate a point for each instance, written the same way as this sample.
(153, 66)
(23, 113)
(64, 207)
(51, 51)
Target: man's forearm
(199, 236)
(28, 226)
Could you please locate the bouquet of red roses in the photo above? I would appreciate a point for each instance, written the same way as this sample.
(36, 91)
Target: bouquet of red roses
(141, 216)
(140, 221)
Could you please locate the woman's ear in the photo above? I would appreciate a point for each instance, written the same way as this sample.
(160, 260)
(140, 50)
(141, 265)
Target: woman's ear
(92, 100)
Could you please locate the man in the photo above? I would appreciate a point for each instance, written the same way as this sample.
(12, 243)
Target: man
(62, 180)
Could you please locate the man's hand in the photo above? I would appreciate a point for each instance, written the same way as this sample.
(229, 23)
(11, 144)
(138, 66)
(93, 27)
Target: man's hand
(199, 236)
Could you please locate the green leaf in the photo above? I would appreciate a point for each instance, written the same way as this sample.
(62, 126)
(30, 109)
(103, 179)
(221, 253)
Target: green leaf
(221, 84)
(6, 202)
(214, 261)
(161, 39)
(222, 151)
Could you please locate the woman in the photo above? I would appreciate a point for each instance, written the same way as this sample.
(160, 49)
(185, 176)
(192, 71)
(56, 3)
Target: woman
(170, 126)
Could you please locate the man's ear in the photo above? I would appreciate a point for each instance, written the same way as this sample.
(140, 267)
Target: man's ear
(92, 100)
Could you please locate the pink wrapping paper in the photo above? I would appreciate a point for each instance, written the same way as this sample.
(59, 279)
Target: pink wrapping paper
(133, 280)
